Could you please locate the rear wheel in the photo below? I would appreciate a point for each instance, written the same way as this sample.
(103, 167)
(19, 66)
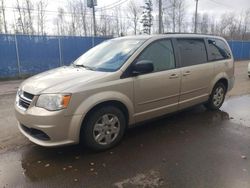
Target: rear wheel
(217, 97)
(104, 128)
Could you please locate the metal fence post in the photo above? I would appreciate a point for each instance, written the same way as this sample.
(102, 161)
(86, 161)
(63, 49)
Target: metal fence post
(17, 57)
(60, 50)
(241, 53)
(232, 44)
(93, 41)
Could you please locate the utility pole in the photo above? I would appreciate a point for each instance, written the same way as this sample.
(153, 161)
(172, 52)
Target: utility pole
(94, 22)
(195, 17)
(160, 16)
(92, 4)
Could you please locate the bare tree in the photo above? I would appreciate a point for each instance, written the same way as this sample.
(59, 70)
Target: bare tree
(24, 21)
(83, 12)
(124, 25)
(212, 26)
(116, 16)
(20, 20)
(60, 21)
(246, 24)
(227, 25)
(180, 14)
(103, 24)
(204, 24)
(172, 13)
(2, 10)
(232, 27)
(224, 23)
(134, 12)
(29, 23)
(1, 22)
(72, 8)
(41, 16)
(167, 24)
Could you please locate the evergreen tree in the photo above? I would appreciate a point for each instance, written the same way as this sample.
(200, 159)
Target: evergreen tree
(147, 17)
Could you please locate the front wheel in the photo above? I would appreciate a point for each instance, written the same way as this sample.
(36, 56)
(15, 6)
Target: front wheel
(217, 97)
(104, 128)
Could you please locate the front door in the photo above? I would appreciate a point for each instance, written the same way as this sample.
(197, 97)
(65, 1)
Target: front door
(157, 93)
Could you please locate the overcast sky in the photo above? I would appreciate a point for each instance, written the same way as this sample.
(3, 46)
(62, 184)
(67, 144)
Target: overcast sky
(214, 8)
(218, 7)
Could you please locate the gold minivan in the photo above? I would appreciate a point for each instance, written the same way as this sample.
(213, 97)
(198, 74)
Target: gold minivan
(121, 82)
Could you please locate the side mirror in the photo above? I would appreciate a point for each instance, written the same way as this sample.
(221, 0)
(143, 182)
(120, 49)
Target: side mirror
(143, 67)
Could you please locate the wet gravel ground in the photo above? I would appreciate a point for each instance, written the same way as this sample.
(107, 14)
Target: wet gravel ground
(193, 148)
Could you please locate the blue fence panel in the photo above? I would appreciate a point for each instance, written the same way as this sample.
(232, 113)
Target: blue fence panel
(246, 50)
(8, 57)
(37, 53)
(41, 53)
(240, 49)
(73, 47)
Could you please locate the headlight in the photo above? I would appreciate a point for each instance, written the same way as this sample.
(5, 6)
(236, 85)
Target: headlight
(17, 95)
(53, 102)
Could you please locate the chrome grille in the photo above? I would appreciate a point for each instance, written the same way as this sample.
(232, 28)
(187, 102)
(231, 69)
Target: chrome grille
(24, 99)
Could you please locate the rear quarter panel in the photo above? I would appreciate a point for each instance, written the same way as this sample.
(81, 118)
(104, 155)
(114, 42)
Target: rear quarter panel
(223, 69)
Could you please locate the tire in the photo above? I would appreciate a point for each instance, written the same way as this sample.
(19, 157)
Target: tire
(217, 97)
(248, 76)
(104, 128)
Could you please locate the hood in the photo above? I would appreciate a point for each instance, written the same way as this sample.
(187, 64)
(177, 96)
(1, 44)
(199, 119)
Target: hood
(59, 79)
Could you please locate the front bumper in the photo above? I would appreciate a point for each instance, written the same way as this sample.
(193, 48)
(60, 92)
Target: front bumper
(47, 128)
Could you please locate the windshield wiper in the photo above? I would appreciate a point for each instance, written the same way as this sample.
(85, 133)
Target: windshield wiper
(84, 66)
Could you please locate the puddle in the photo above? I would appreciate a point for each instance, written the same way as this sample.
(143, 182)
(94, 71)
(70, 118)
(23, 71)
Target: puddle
(238, 109)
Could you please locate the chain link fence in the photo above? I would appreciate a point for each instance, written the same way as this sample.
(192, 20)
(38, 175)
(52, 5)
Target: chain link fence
(23, 55)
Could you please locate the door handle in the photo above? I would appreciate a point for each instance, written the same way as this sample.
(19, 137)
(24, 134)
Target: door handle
(172, 76)
(186, 73)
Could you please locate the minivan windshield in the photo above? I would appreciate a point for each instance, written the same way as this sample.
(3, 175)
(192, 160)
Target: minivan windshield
(110, 55)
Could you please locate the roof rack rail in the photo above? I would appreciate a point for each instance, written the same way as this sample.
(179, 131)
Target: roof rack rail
(187, 33)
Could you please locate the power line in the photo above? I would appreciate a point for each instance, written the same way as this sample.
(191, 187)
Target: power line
(111, 5)
(70, 13)
(114, 5)
(222, 4)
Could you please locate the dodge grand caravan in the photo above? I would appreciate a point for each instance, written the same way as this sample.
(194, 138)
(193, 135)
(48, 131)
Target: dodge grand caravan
(121, 82)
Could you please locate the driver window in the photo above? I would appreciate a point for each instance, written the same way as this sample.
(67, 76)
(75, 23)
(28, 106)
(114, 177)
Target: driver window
(161, 54)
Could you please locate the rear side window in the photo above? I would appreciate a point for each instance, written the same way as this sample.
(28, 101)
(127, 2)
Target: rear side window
(161, 54)
(218, 50)
(192, 51)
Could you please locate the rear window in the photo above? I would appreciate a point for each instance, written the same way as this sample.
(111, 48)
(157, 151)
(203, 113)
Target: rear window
(192, 51)
(218, 50)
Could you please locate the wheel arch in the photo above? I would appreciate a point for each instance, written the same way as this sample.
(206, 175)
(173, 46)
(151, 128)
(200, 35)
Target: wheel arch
(224, 81)
(223, 78)
(115, 103)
